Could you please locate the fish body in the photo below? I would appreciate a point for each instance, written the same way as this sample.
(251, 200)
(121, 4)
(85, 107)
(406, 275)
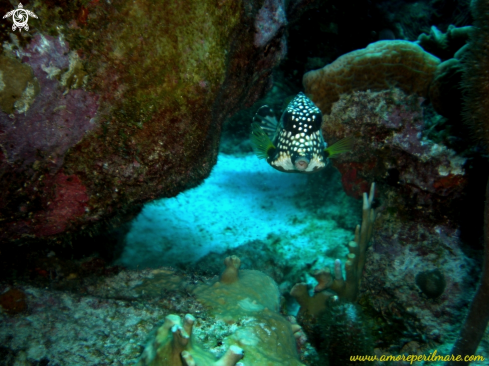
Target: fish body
(295, 143)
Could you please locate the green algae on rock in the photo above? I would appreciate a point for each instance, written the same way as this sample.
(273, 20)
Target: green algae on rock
(137, 93)
(18, 86)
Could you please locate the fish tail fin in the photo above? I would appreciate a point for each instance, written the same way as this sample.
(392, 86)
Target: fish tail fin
(339, 147)
(261, 143)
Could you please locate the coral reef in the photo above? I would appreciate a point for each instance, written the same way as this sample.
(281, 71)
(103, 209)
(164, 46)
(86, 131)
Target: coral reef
(409, 19)
(107, 106)
(173, 344)
(104, 322)
(445, 93)
(402, 250)
(432, 283)
(406, 307)
(418, 178)
(249, 298)
(19, 86)
(475, 85)
(474, 80)
(333, 324)
(113, 318)
(346, 289)
(276, 228)
(325, 30)
(381, 65)
(444, 45)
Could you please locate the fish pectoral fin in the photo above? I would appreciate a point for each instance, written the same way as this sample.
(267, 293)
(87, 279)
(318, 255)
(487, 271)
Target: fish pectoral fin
(340, 147)
(261, 143)
(267, 120)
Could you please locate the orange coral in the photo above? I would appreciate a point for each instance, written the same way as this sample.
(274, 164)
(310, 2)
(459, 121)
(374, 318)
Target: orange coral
(382, 65)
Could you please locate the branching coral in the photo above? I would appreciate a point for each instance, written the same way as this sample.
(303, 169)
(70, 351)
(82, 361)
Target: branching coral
(344, 288)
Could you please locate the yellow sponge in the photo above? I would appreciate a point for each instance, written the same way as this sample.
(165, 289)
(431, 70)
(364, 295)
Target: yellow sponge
(382, 65)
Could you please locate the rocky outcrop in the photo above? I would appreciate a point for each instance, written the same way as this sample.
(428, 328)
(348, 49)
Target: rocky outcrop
(104, 107)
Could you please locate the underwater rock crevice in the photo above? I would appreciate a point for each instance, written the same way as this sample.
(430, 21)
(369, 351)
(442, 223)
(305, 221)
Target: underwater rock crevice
(130, 110)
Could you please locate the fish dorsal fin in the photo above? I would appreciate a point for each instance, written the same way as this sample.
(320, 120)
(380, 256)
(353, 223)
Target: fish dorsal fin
(267, 121)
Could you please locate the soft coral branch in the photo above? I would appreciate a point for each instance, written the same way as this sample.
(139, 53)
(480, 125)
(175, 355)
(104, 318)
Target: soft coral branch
(345, 288)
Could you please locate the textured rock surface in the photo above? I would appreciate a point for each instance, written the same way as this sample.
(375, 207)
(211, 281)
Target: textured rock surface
(96, 327)
(111, 319)
(104, 107)
(416, 176)
(399, 253)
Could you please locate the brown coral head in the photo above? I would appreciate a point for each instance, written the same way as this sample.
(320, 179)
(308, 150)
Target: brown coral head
(380, 66)
(301, 164)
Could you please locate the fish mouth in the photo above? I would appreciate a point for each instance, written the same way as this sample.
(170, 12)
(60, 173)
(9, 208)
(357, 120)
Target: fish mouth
(301, 164)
